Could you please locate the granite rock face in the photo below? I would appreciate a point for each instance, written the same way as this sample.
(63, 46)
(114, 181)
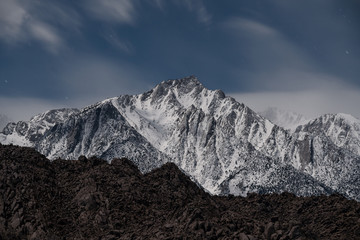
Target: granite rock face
(90, 198)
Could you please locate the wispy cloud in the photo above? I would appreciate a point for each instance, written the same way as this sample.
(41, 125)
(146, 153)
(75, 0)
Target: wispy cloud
(94, 78)
(51, 23)
(119, 43)
(195, 6)
(24, 108)
(310, 103)
(201, 11)
(84, 81)
(243, 25)
(159, 3)
(262, 40)
(118, 11)
(278, 72)
(47, 35)
(275, 62)
(30, 21)
(13, 17)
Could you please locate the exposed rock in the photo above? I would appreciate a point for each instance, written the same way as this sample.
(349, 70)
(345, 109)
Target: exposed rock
(92, 199)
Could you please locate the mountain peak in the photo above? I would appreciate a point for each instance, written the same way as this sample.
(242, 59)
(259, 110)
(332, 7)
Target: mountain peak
(343, 130)
(337, 117)
(189, 82)
(347, 117)
(181, 86)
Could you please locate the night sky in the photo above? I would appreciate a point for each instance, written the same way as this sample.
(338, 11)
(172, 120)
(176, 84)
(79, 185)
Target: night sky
(299, 55)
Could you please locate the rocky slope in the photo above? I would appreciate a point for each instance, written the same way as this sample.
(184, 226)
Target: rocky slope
(97, 130)
(342, 129)
(327, 148)
(222, 144)
(29, 133)
(92, 199)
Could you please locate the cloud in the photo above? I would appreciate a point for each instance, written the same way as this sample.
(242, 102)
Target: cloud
(243, 25)
(310, 103)
(24, 108)
(195, 6)
(159, 4)
(264, 45)
(51, 23)
(12, 18)
(33, 21)
(120, 44)
(292, 79)
(118, 11)
(83, 81)
(326, 30)
(202, 13)
(277, 71)
(47, 35)
(94, 78)
(272, 61)
(198, 7)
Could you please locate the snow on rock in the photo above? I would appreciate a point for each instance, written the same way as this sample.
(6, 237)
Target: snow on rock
(222, 144)
(27, 133)
(342, 129)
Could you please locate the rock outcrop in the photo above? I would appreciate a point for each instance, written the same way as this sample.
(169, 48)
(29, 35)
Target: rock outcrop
(90, 198)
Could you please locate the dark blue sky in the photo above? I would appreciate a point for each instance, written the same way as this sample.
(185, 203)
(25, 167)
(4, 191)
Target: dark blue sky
(298, 55)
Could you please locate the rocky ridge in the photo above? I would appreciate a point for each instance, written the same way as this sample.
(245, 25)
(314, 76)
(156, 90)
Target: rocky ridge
(94, 199)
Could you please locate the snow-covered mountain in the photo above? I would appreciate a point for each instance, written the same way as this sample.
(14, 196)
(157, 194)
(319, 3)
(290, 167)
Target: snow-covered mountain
(222, 144)
(28, 133)
(327, 148)
(4, 120)
(342, 129)
(285, 119)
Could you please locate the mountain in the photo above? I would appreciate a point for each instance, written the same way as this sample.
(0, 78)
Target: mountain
(327, 148)
(342, 129)
(285, 119)
(97, 130)
(27, 133)
(92, 199)
(4, 120)
(222, 144)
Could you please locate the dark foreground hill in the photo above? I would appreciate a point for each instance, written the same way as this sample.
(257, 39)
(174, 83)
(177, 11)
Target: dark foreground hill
(91, 199)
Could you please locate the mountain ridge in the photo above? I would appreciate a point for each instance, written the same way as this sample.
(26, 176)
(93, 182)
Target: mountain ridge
(222, 144)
